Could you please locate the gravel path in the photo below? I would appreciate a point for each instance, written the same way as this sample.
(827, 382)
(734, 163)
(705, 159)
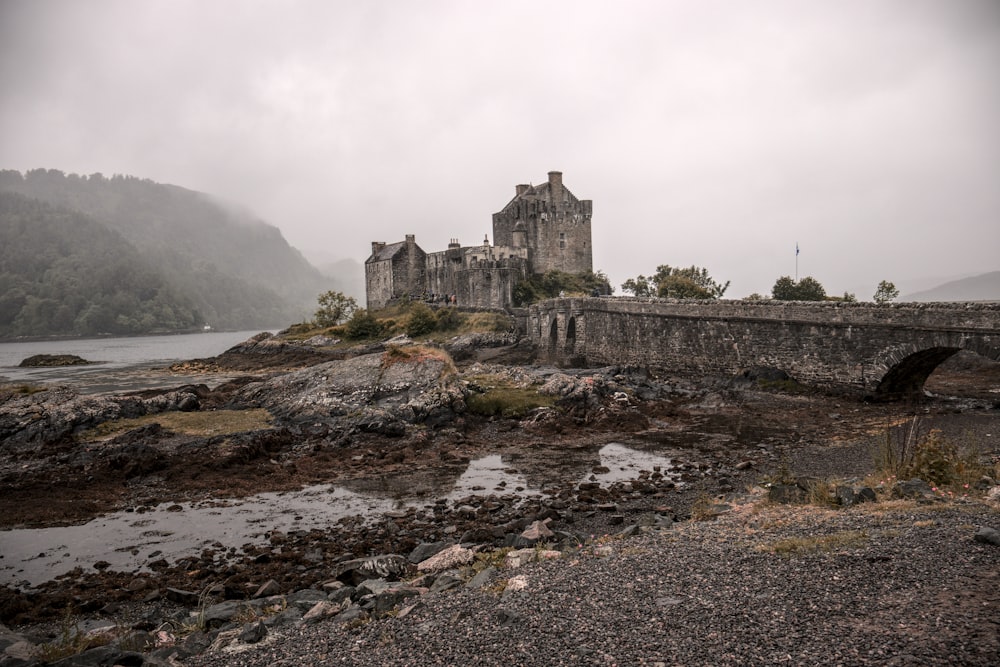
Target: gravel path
(888, 584)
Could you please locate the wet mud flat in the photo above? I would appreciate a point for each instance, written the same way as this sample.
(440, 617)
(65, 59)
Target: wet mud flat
(291, 510)
(91, 526)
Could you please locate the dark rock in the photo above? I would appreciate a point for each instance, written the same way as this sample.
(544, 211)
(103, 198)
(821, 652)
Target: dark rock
(341, 594)
(370, 587)
(319, 611)
(217, 615)
(100, 656)
(865, 494)
(253, 632)
(987, 535)
(286, 617)
(267, 589)
(507, 618)
(52, 360)
(391, 598)
(139, 641)
(476, 536)
(845, 496)
(351, 615)
(389, 566)
(181, 596)
(912, 488)
(446, 582)
(425, 550)
(482, 578)
(306, 599)
(188, 403)
(786, 494)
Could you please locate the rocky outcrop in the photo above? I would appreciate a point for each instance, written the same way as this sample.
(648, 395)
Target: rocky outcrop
(374, 392)
(265, 350)
(52, 360)
(465, 346)
(57, 413)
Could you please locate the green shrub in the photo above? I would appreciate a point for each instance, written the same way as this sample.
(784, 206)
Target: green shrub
(421, 320)
(362, 324)
(448, 319)
(930, 457)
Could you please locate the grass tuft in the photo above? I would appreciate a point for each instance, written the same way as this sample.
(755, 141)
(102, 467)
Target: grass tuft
(797, 546)
(208, 423)
(502, 398)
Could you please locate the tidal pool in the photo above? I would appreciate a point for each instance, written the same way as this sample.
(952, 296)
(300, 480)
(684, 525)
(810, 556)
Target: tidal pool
(129, 541)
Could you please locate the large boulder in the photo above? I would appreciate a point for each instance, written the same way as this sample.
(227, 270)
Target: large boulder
(373, 392)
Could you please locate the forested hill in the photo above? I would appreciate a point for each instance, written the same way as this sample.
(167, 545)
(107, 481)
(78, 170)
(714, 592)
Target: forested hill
(211, 264)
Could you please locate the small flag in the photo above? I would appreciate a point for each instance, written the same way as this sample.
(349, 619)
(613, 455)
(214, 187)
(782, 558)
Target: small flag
(796, 249)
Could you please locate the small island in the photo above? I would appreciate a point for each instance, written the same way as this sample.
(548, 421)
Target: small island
(53, 360)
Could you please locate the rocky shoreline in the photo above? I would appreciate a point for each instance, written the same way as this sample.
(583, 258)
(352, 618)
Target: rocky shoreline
(401, 411)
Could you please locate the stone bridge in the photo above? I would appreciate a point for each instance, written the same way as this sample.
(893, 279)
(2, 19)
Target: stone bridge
(876, 350)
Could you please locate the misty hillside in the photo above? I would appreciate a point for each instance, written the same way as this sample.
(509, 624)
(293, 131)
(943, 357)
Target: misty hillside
(347, 276)
(234, 271)
(984, 287)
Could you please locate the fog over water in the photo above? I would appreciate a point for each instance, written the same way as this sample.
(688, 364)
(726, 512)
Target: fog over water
(115, 359)
(717, 133)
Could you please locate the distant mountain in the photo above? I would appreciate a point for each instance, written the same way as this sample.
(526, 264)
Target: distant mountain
(225, 267)
(984, 287)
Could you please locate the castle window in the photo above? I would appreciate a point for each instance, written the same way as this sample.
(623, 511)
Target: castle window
(562, 240)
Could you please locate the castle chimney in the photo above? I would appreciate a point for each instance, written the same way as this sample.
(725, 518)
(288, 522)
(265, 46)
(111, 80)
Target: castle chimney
(556, 186)
(376, 247)
(521, 189)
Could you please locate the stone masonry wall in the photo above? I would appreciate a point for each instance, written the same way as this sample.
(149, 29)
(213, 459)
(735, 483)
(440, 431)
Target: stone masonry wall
(850, 345)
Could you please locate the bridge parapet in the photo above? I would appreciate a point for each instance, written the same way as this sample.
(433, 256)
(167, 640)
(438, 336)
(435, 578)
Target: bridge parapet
(853, 345)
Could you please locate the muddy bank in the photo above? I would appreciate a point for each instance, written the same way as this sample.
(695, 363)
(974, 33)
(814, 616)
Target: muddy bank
(615, 446)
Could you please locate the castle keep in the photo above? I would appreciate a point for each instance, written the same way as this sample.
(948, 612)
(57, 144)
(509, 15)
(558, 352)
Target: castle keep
(544, 227)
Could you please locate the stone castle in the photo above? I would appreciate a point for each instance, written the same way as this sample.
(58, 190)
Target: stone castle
(544, 227)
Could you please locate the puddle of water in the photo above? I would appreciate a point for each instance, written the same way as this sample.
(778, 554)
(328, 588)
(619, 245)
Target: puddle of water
(625, 464)
(129, 540)
(490, 475)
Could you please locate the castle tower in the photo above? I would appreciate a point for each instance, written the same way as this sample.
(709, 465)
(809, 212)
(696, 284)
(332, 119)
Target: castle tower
(554, 223)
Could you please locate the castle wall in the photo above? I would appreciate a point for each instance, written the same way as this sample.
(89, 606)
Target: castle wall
(489, 284)
(558, 226)
(561, 239)
(378, 284)
(554, 233)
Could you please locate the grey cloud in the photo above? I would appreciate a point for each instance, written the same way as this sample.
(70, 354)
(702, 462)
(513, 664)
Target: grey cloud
(714, 133)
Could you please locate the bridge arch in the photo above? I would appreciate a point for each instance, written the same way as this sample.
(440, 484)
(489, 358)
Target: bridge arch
(570, 347)
(554, 339)
(905, 368)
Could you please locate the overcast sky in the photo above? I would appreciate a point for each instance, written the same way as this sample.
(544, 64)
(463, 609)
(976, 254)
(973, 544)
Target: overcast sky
(709, 133)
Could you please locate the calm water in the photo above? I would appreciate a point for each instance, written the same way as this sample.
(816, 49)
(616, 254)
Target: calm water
(130, 540)
(121, 361)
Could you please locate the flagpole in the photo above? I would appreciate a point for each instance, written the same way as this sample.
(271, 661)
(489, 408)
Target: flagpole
(796, 261)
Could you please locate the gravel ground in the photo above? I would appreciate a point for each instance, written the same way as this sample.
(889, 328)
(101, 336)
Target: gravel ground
(890, 584)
